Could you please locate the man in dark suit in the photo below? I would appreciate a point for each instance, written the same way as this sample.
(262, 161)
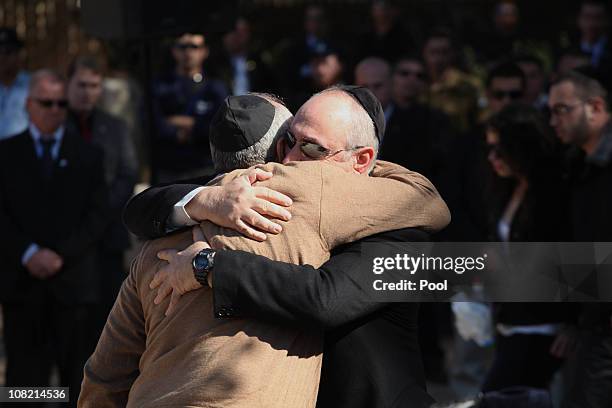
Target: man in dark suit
(371, 354)
(53, 211)
(110, 134)
(581, 117)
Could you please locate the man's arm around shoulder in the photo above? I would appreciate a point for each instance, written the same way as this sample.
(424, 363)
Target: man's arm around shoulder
(335, 294)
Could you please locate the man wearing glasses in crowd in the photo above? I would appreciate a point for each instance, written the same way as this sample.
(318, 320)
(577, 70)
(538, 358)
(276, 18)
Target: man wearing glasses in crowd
(53, 212)
(184, 101)
(580, 115)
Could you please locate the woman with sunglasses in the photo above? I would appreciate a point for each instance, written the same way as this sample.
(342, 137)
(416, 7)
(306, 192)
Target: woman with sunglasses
(526, 202)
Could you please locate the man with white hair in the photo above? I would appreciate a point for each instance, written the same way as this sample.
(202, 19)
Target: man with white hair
(371, 355)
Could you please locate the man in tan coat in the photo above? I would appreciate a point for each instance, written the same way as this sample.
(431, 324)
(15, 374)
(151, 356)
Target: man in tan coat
(144, 359)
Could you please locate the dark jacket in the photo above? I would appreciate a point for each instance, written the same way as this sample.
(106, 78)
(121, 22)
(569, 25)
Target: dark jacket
(147, 214)
(541, 217)
(591, 214)
(110, 134)
(177, 95)
(69, 214)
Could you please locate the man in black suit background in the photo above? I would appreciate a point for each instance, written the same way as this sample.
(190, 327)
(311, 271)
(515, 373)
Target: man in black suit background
(53, 211)
(110, 134)
(371, 354)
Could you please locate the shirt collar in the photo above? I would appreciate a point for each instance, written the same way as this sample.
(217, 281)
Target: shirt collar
(36, 134)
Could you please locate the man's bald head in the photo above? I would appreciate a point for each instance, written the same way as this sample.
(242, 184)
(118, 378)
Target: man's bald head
(375, 74)
(334, 120)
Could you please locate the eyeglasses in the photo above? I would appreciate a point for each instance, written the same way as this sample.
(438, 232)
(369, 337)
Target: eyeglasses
(563, 109)
(188, 46)
(408, 73)
(514, 95)
(313, 150)
(49, 103)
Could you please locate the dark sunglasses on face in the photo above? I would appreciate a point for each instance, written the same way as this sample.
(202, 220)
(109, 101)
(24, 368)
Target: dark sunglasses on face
(187, 46)
(49, 103)
(407, 73)
(514, 95)
(313, 150)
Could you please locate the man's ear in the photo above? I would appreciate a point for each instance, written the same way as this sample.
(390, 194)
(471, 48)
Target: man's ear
(363, 158)
(597, 104)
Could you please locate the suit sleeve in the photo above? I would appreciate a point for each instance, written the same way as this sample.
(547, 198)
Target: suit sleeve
(147, 213)
(335, 294)
(95, 218)
(114, 366)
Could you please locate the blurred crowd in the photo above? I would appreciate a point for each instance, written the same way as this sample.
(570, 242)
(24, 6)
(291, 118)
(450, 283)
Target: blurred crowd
(515, 134)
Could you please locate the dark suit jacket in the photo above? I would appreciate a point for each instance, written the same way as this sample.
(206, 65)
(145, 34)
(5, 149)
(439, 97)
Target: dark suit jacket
(110, 134)
(67, 214)
(146, 214)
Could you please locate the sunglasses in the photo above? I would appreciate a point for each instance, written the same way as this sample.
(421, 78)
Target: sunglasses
(407, 73)
(313, 150)
(49, 103)
(514, 95)
(188, 46)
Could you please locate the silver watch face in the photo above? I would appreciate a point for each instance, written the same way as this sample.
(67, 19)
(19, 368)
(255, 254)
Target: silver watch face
(203, 260)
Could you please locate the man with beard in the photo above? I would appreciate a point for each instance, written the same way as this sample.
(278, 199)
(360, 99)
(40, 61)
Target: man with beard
(581, 118)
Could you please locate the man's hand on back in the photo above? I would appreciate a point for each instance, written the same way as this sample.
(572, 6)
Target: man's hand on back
(242, 206)
(44, 263)
(176, 277)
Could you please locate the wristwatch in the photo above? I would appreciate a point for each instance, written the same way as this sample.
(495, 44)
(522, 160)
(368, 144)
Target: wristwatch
(203, 263)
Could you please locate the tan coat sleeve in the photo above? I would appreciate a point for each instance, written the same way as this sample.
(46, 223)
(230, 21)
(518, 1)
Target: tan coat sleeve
(113, 367)
(393, 197)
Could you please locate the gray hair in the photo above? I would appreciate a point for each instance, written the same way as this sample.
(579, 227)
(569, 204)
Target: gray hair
(42, 75)
(361, 131)
(261, 152)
